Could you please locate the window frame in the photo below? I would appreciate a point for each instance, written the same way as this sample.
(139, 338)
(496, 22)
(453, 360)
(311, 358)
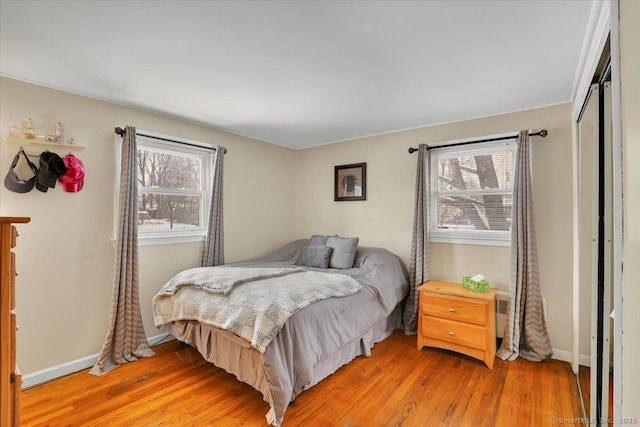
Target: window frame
(467, 237)
(159, 142)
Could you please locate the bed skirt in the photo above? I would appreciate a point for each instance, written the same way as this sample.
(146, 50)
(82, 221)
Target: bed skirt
(236, 356)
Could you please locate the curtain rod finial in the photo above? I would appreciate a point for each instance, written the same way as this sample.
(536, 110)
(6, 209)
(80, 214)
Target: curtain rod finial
(412, 150)
(120, 131)
(543, 133)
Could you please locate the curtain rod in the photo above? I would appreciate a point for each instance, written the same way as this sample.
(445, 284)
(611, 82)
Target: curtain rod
(543, 133)
(122, 132)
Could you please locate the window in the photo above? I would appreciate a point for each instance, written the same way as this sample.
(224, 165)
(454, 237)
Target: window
(471, 193)
(173, 190)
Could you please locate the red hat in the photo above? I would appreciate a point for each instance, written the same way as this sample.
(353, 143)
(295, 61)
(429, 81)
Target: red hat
(73, 180)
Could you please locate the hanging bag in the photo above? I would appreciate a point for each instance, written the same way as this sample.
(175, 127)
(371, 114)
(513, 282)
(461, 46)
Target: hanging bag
(15, 184)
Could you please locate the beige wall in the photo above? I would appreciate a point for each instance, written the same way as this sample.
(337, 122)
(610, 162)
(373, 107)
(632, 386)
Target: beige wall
(386, 217)
(65, 256)
(272, 195)
(630, 99)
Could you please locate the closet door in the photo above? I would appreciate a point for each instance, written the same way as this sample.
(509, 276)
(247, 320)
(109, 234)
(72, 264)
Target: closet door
(588, 137)
(595, 229)
(606, 252)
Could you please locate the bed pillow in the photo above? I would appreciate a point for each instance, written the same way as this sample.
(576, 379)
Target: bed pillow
(318, 240)
(344, 251)
(315, 256)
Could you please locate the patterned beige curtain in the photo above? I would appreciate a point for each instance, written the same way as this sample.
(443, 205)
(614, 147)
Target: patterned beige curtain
(419, 257)
(214, 243)
(125, 340)
(526, 331)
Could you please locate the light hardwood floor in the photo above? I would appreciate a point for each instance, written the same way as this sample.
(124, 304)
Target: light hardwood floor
(397, 386)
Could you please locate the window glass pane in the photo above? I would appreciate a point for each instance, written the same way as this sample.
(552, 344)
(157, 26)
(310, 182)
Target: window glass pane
(172, 170)
(473, 172)
(488, 212)
(157, 212)
(471, 193)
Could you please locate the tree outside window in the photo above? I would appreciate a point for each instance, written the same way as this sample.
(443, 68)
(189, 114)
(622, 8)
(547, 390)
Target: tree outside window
(169, 190)
(472, 192)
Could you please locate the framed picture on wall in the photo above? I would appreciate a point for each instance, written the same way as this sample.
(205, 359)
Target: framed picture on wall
(350, 182)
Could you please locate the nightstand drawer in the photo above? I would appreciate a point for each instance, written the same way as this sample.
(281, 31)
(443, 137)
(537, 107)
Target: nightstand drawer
(455, 308)
(454, 332)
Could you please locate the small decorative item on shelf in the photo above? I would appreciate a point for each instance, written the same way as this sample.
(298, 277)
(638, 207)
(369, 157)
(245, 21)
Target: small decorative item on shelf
(50, 138)
(476, 283)
(28, 133)
(59, 132)
(15, 131)
(71, 141)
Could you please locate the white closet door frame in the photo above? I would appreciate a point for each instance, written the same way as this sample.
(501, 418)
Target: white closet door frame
(608, 247)
(589, 147)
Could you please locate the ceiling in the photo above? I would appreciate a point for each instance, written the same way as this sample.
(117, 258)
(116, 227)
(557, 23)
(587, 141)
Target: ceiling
(301, 73)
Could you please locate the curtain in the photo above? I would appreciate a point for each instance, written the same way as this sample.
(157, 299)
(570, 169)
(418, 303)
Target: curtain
(214, 242)
(419, 256)
(126, 339)
(526, 331)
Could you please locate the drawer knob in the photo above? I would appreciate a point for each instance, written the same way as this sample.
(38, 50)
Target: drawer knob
(452, 333)
(17, 273)
(452, 310)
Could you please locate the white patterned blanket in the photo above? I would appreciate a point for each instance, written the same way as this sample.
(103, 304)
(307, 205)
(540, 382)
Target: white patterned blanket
(222, 279)
(254, 310)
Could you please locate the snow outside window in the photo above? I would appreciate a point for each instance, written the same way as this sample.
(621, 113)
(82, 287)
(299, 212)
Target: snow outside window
(174, 186)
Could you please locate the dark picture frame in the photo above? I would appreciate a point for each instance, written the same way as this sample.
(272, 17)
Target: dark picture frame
(350, 182)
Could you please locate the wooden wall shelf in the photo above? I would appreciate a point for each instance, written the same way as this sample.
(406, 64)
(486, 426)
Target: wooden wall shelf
(34, 147)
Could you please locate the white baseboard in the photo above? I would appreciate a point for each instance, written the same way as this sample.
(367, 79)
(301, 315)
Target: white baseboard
(564, 356)
(160, 339)
(59, 371)
(584, 360)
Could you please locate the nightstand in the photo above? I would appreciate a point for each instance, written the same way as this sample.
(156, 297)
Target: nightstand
(458, 319)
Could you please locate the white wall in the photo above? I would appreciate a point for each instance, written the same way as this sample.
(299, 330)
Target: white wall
(630, 99)
(386, 217)
(65, 257)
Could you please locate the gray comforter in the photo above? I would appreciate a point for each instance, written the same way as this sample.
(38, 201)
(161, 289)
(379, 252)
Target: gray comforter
(334, 330)
(257, 301)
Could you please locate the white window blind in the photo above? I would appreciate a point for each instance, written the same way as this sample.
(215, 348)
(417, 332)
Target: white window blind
(471, 193)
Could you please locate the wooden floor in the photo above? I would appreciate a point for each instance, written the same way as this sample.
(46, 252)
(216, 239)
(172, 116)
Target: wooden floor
(397, 386)
(584, 376)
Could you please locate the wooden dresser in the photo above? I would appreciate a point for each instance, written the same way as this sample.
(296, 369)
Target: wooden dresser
(458, 319)
(10, 378)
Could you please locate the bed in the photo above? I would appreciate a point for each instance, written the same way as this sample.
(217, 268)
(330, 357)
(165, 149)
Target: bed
(313, 342)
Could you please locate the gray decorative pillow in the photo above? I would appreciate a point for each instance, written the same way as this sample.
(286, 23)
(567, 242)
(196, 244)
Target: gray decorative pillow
(318, 240)
(344, 251)
(315, 256)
